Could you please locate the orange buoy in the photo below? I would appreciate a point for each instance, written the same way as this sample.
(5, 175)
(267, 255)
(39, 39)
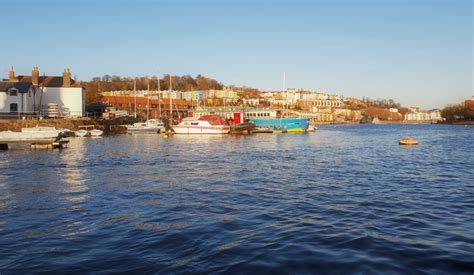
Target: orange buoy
(408, 141)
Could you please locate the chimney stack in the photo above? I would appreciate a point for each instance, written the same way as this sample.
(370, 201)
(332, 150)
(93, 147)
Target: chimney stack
(11, 74)
(66, 78)
(35, 76)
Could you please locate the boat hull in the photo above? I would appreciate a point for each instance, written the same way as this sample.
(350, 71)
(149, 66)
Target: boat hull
(144, 131)
(96, 133)
(201, 130)
(290, 125)
(240, 128)
(81, 133)
(31, 134)
(151, 126)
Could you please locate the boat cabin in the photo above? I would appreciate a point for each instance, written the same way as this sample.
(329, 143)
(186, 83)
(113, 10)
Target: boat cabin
(214, 119)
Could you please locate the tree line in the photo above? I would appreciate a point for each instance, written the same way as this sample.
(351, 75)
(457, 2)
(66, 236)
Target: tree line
(458, 112)
(97, 85)
(381, 103)
(106, 83)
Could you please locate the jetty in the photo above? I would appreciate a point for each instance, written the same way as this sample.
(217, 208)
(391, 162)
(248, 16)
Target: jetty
(35, 144)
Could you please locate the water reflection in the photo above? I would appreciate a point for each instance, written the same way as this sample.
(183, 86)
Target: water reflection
(331, 201)
(72, 176)
(74, 189)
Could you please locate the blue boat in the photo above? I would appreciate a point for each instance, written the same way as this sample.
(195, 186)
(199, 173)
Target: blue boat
(283, 124)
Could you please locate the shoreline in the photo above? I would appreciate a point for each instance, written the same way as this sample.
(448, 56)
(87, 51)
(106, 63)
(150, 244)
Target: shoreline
(110, 127)
(115, 127)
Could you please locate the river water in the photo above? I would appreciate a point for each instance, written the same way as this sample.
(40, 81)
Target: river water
(345, 199)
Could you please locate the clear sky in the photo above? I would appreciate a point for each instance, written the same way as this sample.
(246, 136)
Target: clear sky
(418, 52)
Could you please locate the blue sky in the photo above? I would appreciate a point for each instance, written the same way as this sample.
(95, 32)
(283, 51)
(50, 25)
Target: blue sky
(418, 52)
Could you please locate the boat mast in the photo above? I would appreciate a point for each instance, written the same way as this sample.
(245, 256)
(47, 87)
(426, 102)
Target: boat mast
(135, 92)
(159, 95)
(147, 98)
(286, 93)
(171, 101)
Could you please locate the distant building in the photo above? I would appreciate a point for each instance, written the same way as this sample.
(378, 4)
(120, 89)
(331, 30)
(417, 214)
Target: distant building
(320, 116)
(251, 101)
(435, 115)
(469, 102)
(347, 114)
(431, 115)
(196, 96)
(35, 94)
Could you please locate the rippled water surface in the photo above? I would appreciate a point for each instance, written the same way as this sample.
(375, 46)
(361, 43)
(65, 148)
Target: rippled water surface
(342, 200)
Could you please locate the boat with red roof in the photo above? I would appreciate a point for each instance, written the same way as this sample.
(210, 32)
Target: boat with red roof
(207, 124)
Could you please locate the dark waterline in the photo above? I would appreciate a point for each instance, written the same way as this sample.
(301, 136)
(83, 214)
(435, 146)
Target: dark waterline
(345, 199)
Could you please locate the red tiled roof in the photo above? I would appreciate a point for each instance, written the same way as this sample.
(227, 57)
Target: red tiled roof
(142, 100)
(48, 81)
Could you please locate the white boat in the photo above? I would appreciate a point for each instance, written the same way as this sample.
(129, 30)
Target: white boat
(81, 133)
(208, 124)
(96, 133)
(311, 128)
(88, 130)
(36, 133)
(151, 126)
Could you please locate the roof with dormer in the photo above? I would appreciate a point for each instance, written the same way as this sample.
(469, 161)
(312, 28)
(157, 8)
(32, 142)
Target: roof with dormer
(22, 87)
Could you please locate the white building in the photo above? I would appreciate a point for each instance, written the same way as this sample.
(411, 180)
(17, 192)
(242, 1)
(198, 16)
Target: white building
(251, 101)
(15, 97)
(431, 115)
(33, 94)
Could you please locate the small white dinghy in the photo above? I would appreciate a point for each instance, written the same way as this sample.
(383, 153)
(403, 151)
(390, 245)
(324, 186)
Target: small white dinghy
(81, 133)
(88, 130)
(311, 128)
(96, 133)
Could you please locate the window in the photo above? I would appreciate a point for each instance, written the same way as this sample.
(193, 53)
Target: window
(13, 108)
(13, 92)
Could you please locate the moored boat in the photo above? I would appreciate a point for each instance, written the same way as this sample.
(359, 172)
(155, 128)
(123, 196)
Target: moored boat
(151, 126)
(88, 130)
(279, 121)
(242, 128)
(66, 133)
(96, 133)
(290, 125)
(81, 133)
(35, 133)
(208, 124)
